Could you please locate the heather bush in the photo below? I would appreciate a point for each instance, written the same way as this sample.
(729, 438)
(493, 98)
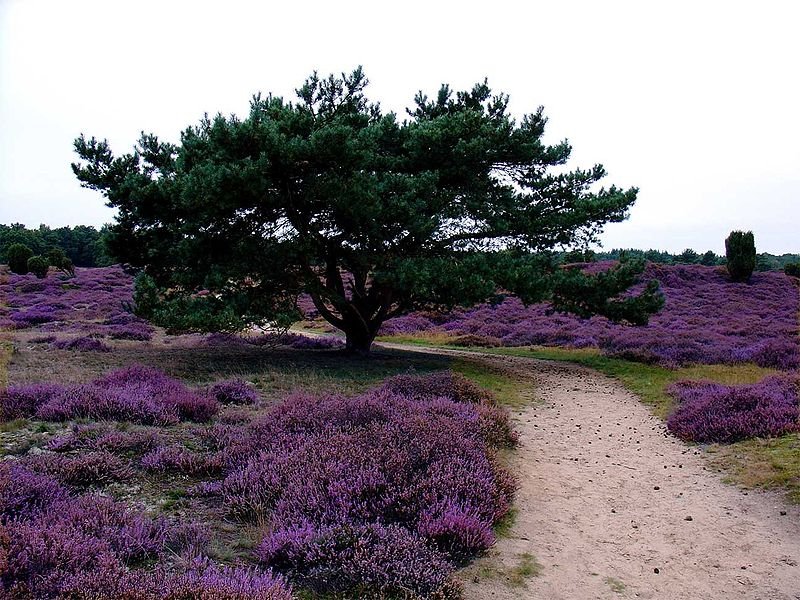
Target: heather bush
(711, 412)
(444, 384)
(180, 459)
(234, 391)
(130, 331)
(103, 437)
(35, 315)
(76, 535)
(24, 493)
(203, 581)
(21, 401)
(82, 344)
(376, 493)
(87, 468)
(137, 394)
(361, 560)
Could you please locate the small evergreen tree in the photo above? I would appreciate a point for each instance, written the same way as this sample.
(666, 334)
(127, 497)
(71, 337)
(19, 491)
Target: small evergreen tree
(792, 269)
(688, 257)
(56, 258)
(18, 255)
(740, 252)
(709, 259)
(38, 265)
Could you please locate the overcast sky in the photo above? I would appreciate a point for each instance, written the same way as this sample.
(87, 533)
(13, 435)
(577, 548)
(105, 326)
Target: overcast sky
(696, 103)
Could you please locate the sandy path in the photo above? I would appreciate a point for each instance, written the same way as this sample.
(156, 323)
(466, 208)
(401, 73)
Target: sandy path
(606, 497)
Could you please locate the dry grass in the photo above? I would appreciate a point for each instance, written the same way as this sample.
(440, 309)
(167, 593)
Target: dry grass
(274, 371)
(762, 463)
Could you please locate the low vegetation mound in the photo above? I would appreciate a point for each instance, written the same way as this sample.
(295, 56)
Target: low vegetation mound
(711, 412)
(136, 394)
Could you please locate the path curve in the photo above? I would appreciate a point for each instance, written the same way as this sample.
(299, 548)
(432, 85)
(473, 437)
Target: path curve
(612, 506)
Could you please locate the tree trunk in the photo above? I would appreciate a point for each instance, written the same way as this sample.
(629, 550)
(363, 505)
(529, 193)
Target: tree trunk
(358, 339)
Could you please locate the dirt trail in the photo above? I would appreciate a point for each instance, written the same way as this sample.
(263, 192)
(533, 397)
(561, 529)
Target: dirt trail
(607, 498)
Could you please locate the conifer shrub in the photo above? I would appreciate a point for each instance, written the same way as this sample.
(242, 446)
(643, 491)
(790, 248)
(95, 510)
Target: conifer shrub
(39, 266)
(792, 269)
(18, 256)
(740, 252)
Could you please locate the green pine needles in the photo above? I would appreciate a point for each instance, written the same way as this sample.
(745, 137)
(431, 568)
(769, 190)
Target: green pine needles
(370, 213)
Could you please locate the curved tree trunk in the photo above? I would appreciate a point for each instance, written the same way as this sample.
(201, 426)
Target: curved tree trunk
(358, 340)
(359, 333)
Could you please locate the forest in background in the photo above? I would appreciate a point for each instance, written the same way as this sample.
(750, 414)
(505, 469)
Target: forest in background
(85, 246)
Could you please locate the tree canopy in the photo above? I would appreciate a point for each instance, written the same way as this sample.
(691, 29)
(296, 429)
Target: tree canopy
(370, 214)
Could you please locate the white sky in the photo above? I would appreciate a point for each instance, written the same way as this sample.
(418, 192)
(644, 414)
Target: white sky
(696, 103)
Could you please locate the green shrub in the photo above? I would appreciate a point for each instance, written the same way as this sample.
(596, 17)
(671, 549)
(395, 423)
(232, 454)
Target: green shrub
(59, 260)
(18, 255)
(792, 269)
(38, 265)
(740, 251)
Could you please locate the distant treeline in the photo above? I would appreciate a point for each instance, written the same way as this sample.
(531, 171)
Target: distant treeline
(84, 245)
(764, 260)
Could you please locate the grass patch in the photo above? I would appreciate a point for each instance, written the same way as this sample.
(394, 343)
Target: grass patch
(527, 567)
(508, 390)
(516, 575)
(617, 586)
(503, 527)
(14, 425)
(762, 463)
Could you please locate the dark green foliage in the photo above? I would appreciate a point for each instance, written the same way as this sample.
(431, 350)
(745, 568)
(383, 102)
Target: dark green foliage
(59, 260)
(586, 295)
(370, 215)
(39, 266)
(771, 262)
(792, 269)
(203, 311)
(709, 259)
(84, 246)
(579, 256)
(18, 256)
(740, 252)
(687, 257)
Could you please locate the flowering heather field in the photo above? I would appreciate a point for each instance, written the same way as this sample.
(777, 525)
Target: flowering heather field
(382, 493)
(91, 304)
(706, 319)
(710, 412)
